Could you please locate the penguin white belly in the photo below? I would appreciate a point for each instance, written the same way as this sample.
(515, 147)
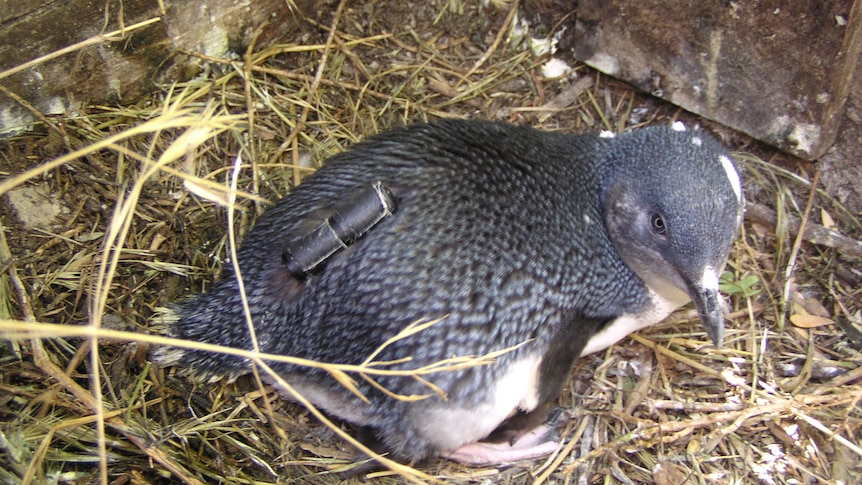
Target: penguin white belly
(655, 311)
(451, 427)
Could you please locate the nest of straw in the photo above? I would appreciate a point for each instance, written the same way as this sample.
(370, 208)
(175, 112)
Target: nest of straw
(147, 196)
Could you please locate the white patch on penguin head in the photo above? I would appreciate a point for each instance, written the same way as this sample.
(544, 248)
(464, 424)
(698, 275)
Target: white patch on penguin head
(606, 134)
(732, 176)
(697, 141)
(677, 126)
(709, 279)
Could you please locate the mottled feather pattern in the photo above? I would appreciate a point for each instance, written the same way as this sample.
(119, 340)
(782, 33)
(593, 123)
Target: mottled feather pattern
(500, 229)
(455, 238)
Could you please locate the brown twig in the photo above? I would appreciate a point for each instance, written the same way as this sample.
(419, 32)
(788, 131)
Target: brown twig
(794, 252)
(497, 40)
(811, 232)
(565, 98)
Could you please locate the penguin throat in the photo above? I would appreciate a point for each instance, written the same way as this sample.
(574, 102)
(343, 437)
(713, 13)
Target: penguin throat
(665, 289)
(657, 274)
(656, 309)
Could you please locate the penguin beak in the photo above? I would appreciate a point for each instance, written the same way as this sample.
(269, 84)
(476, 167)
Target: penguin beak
(704, 294)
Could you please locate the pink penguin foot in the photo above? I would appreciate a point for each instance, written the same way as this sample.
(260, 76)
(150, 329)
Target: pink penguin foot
(525, 444)
(482, 453)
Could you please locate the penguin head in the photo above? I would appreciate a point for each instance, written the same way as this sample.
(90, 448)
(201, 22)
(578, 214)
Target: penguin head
(673, 203)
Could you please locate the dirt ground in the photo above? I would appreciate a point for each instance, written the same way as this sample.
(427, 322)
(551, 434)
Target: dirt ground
(136, 218)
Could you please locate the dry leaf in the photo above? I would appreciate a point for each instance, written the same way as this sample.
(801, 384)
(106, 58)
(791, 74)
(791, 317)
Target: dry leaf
(827, 220)
(759, 229)
(809, 321)
(668, 473)
(814, 307)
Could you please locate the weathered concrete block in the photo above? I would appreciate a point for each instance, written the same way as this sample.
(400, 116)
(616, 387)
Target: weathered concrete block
(779, 71)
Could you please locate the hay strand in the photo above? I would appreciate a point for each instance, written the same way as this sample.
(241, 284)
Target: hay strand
(155, 198)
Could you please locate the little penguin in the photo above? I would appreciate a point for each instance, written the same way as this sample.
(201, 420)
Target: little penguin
(555, 244)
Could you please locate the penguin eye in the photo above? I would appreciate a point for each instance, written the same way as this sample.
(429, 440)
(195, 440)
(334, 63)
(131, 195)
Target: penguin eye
(656, 224)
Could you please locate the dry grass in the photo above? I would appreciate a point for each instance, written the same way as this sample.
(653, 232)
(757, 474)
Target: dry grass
(145, 192)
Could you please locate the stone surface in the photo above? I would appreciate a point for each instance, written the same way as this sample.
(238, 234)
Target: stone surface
(778, 71)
